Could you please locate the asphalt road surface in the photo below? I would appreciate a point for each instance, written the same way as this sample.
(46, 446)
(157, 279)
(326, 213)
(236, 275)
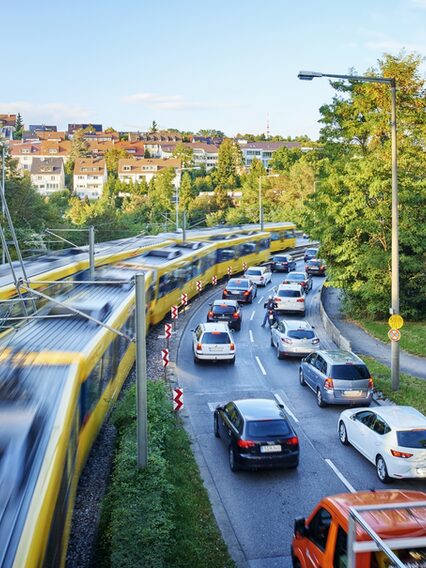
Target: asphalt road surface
(256, 510)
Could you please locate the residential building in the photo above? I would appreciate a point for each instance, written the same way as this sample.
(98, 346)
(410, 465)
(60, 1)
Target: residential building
(136, 149)
(202, 154)
(33, 135)
(137, 170)
(102, 136)
(42, 127)
(7, 125)
(160, 136)
(90, 176)
(50, 148)
(263, 151)
(94, 127)
(47, 175)
(98, 148)
(24, 152)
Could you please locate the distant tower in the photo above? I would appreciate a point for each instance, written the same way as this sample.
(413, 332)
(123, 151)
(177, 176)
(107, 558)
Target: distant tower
(268, 134)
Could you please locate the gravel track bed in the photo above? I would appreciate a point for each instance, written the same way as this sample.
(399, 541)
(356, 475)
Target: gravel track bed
(94, 479)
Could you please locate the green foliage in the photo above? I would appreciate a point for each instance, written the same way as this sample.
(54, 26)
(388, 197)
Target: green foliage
(184, 154)
(229, 164)
(79, 145)
(211, 133)
(19, 127)
(154, 127)
(112, 156)
(158, 516)
(284, 158)
(186, 192)
(413, 334)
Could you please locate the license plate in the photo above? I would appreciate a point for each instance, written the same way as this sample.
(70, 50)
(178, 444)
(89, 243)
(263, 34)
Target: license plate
(352, 393)
(269, 449)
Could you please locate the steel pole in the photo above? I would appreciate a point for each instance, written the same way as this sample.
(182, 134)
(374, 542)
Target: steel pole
(395, 241)
(184, 227)
(141, 392)
(3, 256)
(92, 249)
(177, 208)
(260, 204)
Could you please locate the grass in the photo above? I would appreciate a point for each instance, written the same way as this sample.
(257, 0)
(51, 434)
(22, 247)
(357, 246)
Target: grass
(412, 391)
(160, 516)
(413, 334)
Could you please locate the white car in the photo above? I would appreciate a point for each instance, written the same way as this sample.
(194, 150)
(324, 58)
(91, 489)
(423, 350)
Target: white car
(294, 338)
(391, 437)
(290, 298)
(260, 275)
(213, 342)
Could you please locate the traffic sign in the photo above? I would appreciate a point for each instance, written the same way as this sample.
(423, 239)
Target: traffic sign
(175, 312)
(396, 321)
(168, 330)
(244, 266)
(165, 357)
(177, 399)
(184, 299)
(229, 270)
(214, 280)
(199, 285)
(394, 334)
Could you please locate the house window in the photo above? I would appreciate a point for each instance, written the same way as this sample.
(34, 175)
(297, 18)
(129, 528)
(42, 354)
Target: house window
(39, 177)
(53, 178)
(127, 168)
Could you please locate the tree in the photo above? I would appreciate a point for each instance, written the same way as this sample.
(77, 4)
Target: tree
(109, 130)
(229, 164)
(19, 127)
(79, 145)
(250, 191)
(353, 200)
(112, 156)
(160, 192)
(284, 158)
(184, 154)
(186, 192)
(146, 153)
(154, 127)
(210, 133)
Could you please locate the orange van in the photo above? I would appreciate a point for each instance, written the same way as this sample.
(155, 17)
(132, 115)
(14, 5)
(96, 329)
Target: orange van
(321, 540)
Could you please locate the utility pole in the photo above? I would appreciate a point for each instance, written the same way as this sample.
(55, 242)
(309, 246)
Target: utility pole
(92, 250)
(141, 390)
(3, 167)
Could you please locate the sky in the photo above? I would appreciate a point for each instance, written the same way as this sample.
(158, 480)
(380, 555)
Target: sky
(222, 64)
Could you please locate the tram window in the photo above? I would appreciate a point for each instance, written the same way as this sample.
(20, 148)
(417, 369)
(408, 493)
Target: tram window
(275, 236)
(289, 234)
(196, 267)
(168, 283)
(224, 254)
(246, 249)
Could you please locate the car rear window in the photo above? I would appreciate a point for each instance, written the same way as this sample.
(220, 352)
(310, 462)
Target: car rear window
(312, 251)
(301, 334)
(241, 284)
(265, 428)
(223, 309)
(296, 277)
(289, 293)
(254, 272)
(280, 259)
(412, 438)
(212, 337)
(313, 263)
(349, 372)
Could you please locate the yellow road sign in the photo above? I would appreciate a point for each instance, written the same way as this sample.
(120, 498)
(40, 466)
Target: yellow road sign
(396, 321)
(394, 334)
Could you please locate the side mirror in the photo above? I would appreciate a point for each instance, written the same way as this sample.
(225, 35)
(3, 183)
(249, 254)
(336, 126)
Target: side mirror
(210, 305)
(192, 330)
(300, 526)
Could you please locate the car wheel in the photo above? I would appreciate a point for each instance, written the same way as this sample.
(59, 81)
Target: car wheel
(382, 470)
(302, 378)
(343, 435)
(232, 461)
(232, 361)
(196, 360)
(279, 354)
(320, 400)
(238, 327)
(272, 341)
(216, 426)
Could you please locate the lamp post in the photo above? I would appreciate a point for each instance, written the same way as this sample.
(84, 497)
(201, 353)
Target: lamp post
(260, 198)
(308, 76)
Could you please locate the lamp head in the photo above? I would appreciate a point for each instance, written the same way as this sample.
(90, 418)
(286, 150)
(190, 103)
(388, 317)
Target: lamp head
(308, 75)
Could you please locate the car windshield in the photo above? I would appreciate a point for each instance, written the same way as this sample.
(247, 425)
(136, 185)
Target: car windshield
(280, 258)
(212, 337)
(349, 372)
(412, 438)
(296, 277)
(223, 309)
(313, 263)
(265, 428)
(289, 293)
(254, 272)
(301, 334)
(237, 284)
(312, 252)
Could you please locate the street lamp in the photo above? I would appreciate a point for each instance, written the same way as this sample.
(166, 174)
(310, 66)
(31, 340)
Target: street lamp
(308, 76)
(260, 198)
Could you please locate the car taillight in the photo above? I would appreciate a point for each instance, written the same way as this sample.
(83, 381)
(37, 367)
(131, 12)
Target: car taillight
(328, 383)
(245, 443)
(397, 454)
(236, 315)
(225, 292)
(277, 299)
(322, 267)
(315, 341)
(286, 340)
(199, 346)
(211, 314)
(300, 300)
(293, 441)
(370, 383)
(232, 346)
(247, 292)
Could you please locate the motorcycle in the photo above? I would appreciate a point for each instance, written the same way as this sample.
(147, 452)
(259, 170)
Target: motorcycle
(272, 318)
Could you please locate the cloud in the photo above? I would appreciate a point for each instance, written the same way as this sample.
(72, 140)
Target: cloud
(392, 45)
(46, 112)
(164, 102)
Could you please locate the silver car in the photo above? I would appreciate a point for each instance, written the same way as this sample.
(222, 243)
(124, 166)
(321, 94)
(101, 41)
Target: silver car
(294, 338)
(213, 342)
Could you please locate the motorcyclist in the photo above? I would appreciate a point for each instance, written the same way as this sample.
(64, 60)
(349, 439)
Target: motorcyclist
(269, 305)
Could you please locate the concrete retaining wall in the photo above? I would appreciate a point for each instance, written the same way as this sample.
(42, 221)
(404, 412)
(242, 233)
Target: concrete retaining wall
(332, 330)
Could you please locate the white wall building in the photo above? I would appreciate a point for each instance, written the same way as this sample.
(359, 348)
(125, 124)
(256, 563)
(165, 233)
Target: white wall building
(262, 151)
(47, 175)
(137, 170)
(90, 176)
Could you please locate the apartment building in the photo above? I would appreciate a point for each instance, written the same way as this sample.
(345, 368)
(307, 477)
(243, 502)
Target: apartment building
(263, 151)
(137, 170)
(7, 125)
(202, 154)
(90, 176)
(47, 175)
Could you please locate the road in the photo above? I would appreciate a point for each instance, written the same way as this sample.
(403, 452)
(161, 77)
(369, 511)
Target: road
(256, 510)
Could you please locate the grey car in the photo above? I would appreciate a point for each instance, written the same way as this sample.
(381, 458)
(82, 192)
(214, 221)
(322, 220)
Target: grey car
(295, 338)
(337, 377)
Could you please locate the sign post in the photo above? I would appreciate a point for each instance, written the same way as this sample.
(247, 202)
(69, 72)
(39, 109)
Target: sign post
(214, 280)
(199, 285)
(168, 333)
(177, 399)
(165, 359)
(229, 271)
(394, 334)
(244, 266)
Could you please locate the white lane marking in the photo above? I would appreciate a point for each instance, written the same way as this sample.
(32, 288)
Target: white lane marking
(252, 314)
(262, 368)
(286, 408)
(260, 299)
(251, 336)
(340, 476)
(271, 288)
